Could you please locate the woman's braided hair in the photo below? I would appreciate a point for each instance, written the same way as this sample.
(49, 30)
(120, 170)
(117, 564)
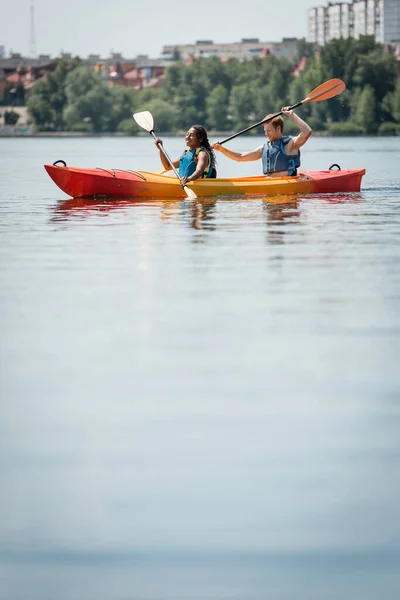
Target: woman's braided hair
(203, 139)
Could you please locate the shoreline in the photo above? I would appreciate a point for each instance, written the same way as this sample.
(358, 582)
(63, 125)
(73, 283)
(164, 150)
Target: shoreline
(217, 134)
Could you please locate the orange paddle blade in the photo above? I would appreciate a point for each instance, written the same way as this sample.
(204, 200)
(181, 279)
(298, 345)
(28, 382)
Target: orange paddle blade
(327, 90)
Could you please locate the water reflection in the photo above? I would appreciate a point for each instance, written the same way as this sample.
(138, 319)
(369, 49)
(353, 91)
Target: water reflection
(202, 214)
(285, 210)
(179, 382)
(199, 214)
(339, 198)
(83, 207)
(280, 210)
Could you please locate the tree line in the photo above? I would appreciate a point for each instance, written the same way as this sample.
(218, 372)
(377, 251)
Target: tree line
(231, 95)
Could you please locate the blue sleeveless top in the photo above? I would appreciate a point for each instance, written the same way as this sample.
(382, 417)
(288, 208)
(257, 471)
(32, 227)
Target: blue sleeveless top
(188, 163)
(274, 157)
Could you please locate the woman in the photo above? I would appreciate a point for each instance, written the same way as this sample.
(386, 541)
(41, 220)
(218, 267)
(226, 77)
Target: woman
(196, 162)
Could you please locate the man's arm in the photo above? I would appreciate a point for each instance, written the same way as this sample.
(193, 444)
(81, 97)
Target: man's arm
(305, 131)
(239, 156)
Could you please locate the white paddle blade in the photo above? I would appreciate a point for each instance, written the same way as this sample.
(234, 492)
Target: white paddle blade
(189, 193)
(145, 120)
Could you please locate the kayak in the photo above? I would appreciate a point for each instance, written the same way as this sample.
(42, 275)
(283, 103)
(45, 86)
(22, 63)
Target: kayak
(84, 183)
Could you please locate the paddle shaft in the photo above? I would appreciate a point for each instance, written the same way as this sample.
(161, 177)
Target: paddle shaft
(260, 123)
(326, 90)
(165, 154)
(189, 193)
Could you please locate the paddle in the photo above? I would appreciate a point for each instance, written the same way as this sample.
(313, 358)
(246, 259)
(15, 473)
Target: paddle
(145, 120)
(326, 90)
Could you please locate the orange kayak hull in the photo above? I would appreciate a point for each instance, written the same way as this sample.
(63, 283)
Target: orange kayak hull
(84, 183)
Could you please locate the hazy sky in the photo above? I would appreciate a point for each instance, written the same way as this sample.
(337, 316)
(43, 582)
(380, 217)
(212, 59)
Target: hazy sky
(135, 27)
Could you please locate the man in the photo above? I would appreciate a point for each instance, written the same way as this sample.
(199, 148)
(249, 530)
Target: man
(281, 154)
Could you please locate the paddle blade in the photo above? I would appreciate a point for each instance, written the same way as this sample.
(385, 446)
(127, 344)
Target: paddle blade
(145, 120)
(189, 193)
(327, 90)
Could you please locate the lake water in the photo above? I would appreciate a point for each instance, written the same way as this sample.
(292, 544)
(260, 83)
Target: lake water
(199, 400)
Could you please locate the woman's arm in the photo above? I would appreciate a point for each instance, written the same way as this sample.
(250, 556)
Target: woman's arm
(164, 161)
(203, 160)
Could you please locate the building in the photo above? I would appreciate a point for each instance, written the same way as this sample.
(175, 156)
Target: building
(380, 18)
(246, 49)
(317, 25)
(339, 20)
(138, 73)
(16, 70)
(390, 21)
(359, 18)
(373, 14)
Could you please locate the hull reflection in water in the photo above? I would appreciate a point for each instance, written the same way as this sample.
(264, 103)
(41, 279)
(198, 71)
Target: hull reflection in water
(202, 210)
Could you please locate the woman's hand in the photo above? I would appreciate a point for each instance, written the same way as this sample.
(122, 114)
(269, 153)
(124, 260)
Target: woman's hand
(184, 180)
(216, 146)
(158, 142)
(286, 110)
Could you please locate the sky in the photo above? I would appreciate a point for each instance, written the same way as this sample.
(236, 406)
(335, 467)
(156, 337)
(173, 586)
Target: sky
(133, 27)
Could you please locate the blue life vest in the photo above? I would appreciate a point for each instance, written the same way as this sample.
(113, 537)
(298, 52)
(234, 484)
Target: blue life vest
(188, 163)
(274, 157)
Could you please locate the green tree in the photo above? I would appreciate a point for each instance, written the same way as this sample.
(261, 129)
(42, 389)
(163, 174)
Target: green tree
(200, 88)
(10, 117)
(304, 48)
(165, 114)
(231, 70)
(47, 100)
(123, 104)
(389, 128)
(237, 93)
(40, 109)
(19, 94)
(184, 104)
(274, 93)
(89, 101)
(376, 69)
(365, 110)
(216, 72)
(216, 108)
(173, 79)
(393, 102)
(242, 105)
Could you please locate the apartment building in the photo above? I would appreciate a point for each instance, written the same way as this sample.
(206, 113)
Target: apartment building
(390, 21)
(380, 18)
(359, 18)
(246, 49)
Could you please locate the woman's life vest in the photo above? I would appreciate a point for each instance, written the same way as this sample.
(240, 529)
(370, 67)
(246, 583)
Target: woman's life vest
(274, 157)
(188, 163)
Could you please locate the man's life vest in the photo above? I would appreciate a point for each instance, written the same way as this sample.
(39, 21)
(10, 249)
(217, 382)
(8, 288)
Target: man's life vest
(188, 163)
(274, 157)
